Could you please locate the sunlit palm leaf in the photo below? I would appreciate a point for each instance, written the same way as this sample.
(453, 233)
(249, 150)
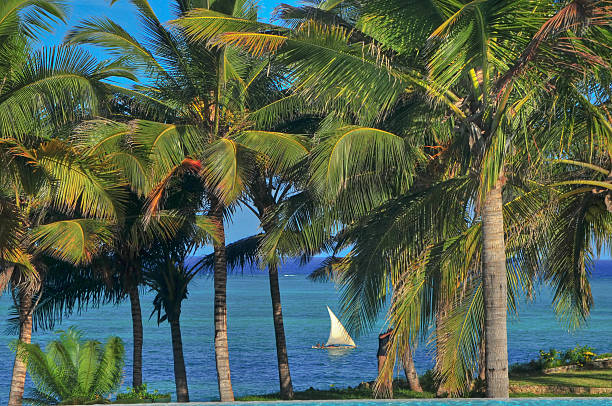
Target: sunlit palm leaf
(283, 150)
(76, 241)
(30, 16)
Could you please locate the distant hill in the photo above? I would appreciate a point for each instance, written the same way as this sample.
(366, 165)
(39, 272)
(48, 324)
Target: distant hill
(290, 267)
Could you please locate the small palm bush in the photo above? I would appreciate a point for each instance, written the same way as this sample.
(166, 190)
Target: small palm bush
(71, 371)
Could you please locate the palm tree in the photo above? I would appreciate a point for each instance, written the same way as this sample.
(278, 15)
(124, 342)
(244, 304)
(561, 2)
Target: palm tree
(146, 155)
(55, 195)
(272, 181)
(166, 271)
(485, 88)
(170, 280)
(201, 96)
(60, 203)
(63, 204)
(53, 225)
(184, 94)
(73, 372)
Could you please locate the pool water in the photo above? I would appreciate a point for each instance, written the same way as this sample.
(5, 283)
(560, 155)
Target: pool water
(446, 402)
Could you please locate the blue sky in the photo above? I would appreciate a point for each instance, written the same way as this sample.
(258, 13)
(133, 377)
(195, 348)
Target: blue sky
(123, 13)
(244, 223)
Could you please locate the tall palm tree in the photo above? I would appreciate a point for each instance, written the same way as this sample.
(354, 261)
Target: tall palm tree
(166, 271)
(170, 280)
(479, 66)
(62, 204)
(195, 103)
(180, 95)
(273, 179)
(145, 154)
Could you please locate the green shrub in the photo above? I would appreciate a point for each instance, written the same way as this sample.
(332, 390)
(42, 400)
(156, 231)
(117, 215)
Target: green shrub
(141, 393)
(533, 366)
(429, 381)
(580, 355)
(73, 372)
(550, 359)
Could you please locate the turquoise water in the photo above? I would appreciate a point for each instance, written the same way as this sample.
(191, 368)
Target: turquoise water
(251, 336)
(463, 402)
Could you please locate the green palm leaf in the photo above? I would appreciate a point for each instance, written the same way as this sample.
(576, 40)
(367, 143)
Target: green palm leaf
(76, 241)
(30, 16)
(283, 150)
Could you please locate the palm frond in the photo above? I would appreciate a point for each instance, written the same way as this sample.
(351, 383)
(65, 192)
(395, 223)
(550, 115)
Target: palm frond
(240, 254)
(282, 150)
(30, 17)
(76, 241)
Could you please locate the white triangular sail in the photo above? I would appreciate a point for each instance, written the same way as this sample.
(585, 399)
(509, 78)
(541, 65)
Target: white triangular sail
(338, 334)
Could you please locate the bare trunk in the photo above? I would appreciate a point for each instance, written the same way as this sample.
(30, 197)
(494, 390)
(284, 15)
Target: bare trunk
(284, 376)
(482, 361)
(180, 375)
(386, 388)
(411, 374)
(226, 392)
(5, 278)
(137, 336)
(494, 289)
(25, 336)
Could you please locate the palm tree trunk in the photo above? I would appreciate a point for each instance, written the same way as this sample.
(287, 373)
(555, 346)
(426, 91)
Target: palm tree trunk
(25, 336)
(284, 376)
(180, 375)
(137, 336)
(482, 361)
(411, 374)
(5, 278)
(226, 392)
(494, 291)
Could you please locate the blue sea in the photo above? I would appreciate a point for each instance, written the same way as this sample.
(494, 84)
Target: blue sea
(251, 334)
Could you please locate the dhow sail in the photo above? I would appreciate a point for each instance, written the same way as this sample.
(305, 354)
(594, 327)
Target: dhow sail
(338, 336)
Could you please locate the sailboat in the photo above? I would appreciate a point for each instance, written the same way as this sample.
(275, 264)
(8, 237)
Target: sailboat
(338, 336)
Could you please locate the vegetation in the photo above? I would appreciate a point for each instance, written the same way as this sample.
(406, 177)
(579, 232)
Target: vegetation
(589, 378)
(72, 371)
(140, 394)
(579, 356)
(339, 394)
(459, 151)
(582, 378)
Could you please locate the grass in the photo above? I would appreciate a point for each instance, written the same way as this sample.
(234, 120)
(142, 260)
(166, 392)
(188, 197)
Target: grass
(590, 378)
(597, 378)
(339, 394)
(559, 395)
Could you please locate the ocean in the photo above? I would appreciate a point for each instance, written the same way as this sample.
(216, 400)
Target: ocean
(251, 335)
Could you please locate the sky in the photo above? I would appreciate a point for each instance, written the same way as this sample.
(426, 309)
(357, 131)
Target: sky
(243, 223)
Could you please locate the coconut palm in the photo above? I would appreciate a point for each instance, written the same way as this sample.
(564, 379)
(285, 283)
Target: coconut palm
(166, 272)
(63, 204)
(170, 280)
(264, 194)
(144, 154)
(58, 218)
(178, 100)
(73, 372)
(197, 93)
(60, 204)
(479, 66)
